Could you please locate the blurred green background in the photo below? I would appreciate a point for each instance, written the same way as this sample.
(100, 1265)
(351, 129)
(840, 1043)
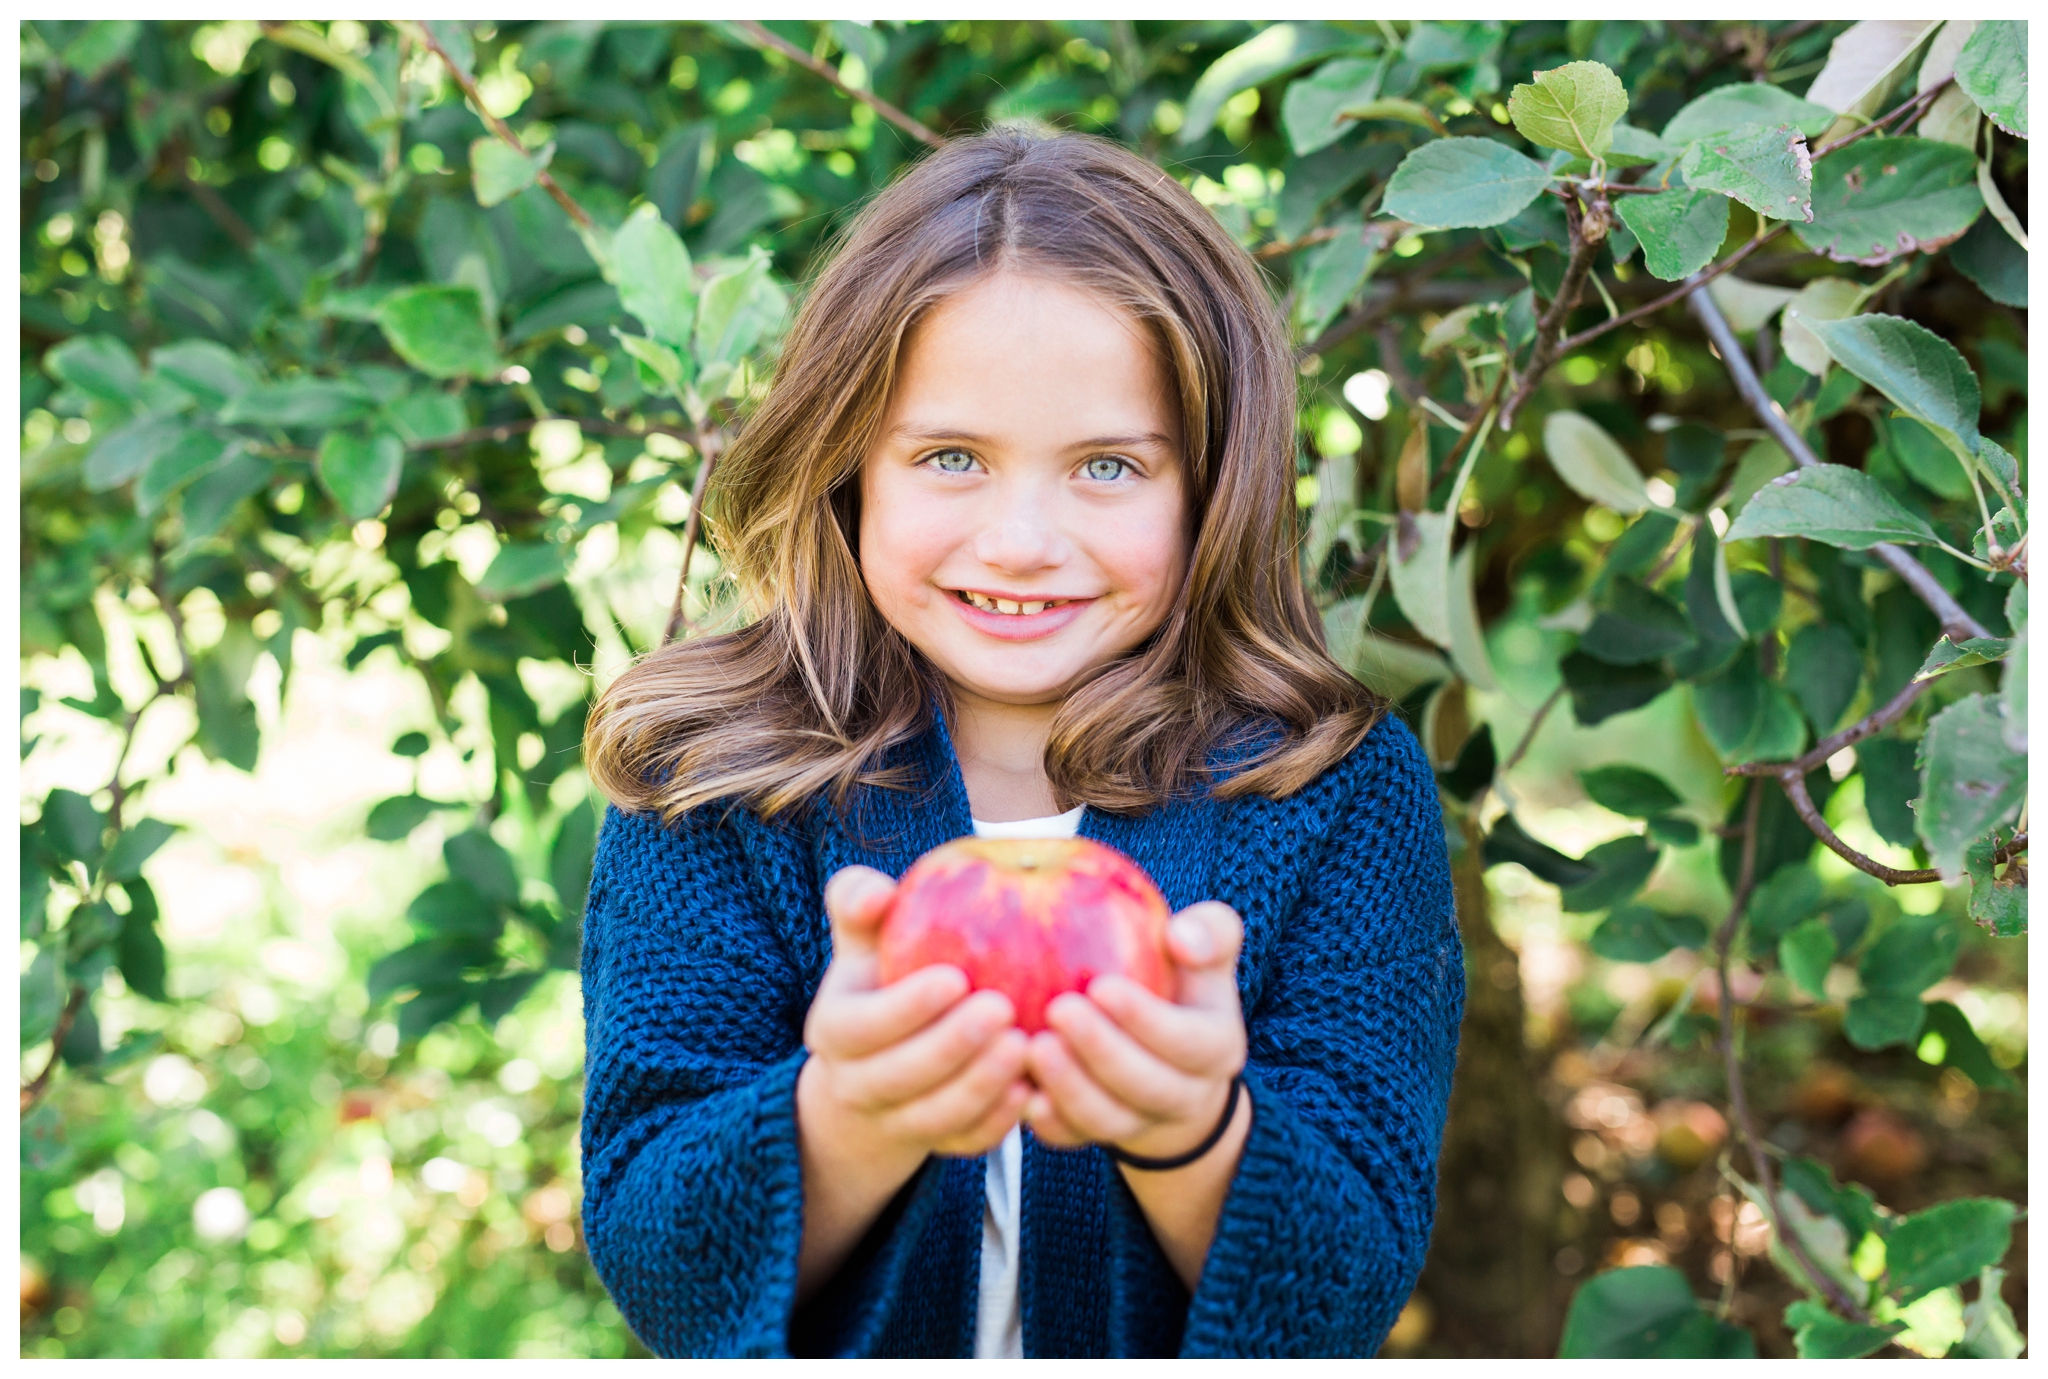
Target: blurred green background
(271, 1160)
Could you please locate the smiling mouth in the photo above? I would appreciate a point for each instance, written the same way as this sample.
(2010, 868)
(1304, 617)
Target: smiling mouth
(1008, 607)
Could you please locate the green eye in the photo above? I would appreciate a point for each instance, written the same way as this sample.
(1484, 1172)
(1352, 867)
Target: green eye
(1107, 468)
(951, 461)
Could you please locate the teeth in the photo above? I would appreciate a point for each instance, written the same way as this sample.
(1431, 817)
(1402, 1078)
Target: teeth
(1008, 606)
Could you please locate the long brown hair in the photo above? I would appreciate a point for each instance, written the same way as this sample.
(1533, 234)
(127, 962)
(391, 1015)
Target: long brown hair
(815, 689)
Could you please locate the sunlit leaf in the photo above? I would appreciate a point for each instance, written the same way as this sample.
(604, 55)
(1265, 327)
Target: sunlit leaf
(1449, 183)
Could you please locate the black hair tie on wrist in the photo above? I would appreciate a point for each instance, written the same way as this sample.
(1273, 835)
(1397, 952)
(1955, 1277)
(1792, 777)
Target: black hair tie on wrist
(1139, 1161)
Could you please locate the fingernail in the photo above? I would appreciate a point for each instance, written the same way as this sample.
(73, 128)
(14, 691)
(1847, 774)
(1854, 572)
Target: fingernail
(1194, 936)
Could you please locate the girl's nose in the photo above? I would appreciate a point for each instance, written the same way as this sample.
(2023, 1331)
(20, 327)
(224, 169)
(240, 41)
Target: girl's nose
(1020, 539)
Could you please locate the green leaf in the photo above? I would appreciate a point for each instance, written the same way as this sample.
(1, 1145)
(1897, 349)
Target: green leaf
(1918, 370)
(1592, 464)
(1671, 830)
(1806, 953)
(652, 271)
(1629, 790)
(1636, 626)
(1573, 107)
(427, 415)
(433, 962)
(136, 844)
(1748, 306)
(1467, 643)
(1600, 691)
(1310, 110)
(1882, 198)
(1864, 61)
(42, 997)
(569, 861)
(737, 311)
(1883, 1019)
(305, 401)
(1831, 503)
(362, 472)
(1961, 1048)
(1330, 277)
(209, 372)
(660, 367)
(1971, 651)
(1992, 69)
(455, 909)
(1637, 933)
(412, 744)
(1620, 869)
(1471, 183)
(197, 453)
(477, 857)
(1818, 1334)
(1890, 782)
(1646, 1312)
(1947, 1244)
(1997, 904)
(523, 567)
(497, 996)
(1927, 457)
(1990, 258)
(1740, 103)
(1509, 843)
(1764, 166)
(99, 365)
(140, 949)
(129, 451)
(395, 818)
(1633, 147)
(210, 501)
(441, 331)
(1822, 668)
(1911, 956)
(1823, 299)
(103, 43)
(500, 171)
(1420, 572)
(1473, 769)
(1746, 717)
(72, 826)
(1680, 231)
(1273, 52)
(1972, 778)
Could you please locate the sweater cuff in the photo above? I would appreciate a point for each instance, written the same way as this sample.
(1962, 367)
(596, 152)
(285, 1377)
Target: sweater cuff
(1348, 1271)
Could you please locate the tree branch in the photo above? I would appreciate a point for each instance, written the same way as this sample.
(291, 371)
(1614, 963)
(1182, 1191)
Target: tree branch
(500, 128)
(35, 1090)
(764, 37)
(1954, 620)
(1794, 782)
(1870, 725)
(1589, 232)
(1684, 289)
(1738, 1096)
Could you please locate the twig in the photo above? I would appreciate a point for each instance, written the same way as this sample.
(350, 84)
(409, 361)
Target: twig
(1954, 620)
(33, 1093)
(1280, 248)
(223, 214)
(501, 129)
(1684, 289)
(1479, 415)
(1904, 109)
(1738, 1097)
(709, 461)
(764, 37)
(1794, 782)
(1529, 733)
(1589, 232)
(1870, 725)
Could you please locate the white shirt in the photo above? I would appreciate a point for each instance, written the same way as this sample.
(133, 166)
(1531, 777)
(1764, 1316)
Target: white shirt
(999, 1322)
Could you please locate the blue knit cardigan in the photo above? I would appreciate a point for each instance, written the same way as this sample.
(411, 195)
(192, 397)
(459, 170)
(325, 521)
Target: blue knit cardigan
(704, 943)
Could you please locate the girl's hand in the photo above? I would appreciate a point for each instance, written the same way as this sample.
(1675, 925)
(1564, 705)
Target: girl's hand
(1122, 1066)
(913, 1068)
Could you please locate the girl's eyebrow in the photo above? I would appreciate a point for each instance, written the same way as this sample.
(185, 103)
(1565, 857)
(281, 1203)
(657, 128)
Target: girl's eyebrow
(912, 431)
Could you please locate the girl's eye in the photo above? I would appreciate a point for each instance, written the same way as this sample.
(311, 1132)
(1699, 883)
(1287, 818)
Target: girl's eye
(950, 461)
(1107, 468)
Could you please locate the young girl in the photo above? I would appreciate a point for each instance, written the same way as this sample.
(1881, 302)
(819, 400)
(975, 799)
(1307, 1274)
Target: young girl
(1015, 530)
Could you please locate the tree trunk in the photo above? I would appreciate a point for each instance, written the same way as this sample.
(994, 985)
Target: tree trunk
(1489, 1282)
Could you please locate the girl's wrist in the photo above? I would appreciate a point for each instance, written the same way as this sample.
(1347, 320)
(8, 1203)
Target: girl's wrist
(831, 1132)
(1203, 1131)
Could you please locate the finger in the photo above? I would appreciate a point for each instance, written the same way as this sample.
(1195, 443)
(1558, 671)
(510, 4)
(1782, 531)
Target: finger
(1204, 940)
(1123, 1067)
(855, 900)
(1045, 1122)
(989, 1131)
(1207, 1043)
(963, 1100)
(913, 1066)
(854, 1023)
(1081, 1102)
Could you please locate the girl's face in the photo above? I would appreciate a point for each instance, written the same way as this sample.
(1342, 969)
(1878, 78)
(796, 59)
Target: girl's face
(1023, 512)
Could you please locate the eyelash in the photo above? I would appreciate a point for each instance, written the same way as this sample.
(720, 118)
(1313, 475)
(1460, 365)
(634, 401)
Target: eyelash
(1128, 467)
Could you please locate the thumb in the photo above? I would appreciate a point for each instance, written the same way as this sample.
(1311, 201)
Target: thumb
(856, 898)
(1204, 940)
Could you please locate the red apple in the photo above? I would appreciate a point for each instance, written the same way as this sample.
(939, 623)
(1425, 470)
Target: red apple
(1028, 917)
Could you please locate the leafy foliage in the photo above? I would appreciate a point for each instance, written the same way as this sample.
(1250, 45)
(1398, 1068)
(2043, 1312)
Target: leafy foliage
(419, 339)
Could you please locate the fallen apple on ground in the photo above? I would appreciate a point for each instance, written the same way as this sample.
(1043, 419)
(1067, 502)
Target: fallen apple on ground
(1028, 917)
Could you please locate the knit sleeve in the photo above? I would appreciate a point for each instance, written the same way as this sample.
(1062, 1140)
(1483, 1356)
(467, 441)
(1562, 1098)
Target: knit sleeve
(693, 1009)
(1352, 1040)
